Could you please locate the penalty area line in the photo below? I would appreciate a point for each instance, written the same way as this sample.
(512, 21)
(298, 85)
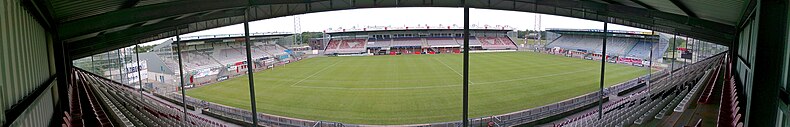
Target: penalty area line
(319, 71)
(456, 72)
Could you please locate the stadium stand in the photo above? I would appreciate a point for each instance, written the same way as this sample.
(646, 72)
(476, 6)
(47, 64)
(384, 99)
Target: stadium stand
(407, 42)
(442, 42)
(414, 45)
(616, 46)
(473, 41)
(496, 43)
(127, 106)
(379, 42)
(271, 49)
(640, 50)
(668, 94)
(346, 46)
(584, 42)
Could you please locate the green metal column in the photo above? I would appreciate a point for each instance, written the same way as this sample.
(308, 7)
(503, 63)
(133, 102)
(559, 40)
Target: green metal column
(686, 46)
(139, 75)
(181, 76)
(674, 48)
(465, 122)
(650, 66)
(120, 67)
(768, 64)
(603, 69)
(249, 65)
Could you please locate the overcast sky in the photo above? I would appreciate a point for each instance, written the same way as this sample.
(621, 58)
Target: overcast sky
(408, 16)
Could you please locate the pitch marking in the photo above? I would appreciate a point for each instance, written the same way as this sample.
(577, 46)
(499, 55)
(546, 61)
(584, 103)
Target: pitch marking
(319, 71)
(456, 72)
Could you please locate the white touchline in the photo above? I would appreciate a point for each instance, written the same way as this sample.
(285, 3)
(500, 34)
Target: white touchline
(319, 71)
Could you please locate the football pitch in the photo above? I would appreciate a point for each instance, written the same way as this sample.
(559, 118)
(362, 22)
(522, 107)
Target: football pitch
(413, 89)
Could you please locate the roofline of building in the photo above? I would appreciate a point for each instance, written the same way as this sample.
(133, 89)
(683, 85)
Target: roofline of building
(423, 29)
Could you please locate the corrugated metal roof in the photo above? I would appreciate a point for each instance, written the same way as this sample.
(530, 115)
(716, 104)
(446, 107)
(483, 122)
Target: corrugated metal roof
(722, 11)
(67, 10)
(665, 6)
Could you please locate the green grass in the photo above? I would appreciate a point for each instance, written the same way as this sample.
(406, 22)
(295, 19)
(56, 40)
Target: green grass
(411, 89)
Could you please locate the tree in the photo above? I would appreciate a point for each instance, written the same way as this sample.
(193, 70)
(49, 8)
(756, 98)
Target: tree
(143, 49)
(679, 42)
(522, 34)
(307, 35)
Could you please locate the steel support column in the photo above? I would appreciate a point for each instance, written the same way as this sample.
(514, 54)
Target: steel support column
(181, 77)
(603, 69)
(686, 46)
(674, 47)
(120, 66)
(768, 97)
(466, 65)
(139, 76)
(62, 71)
(249, 66)
(93, 66)
(650, 66)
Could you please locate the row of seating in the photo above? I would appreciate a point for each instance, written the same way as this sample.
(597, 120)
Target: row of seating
(708, 92)
(730, 112)
(588, 118)
(496, 42)
(683, 103)
(618, 45)
(73, 117)
(443, 41)
(84, 108)
(128, 107)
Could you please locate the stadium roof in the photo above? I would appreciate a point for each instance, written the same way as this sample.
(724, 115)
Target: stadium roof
(253, 36)
(97, 26)
(601, 31)
(417, 29)
(421, 27)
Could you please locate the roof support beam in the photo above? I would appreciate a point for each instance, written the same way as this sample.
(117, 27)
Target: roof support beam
(129, 4)
(684, 8)
(612, 2)
(40, 12)
(151, 12)
(131, 34)
(643, 4)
